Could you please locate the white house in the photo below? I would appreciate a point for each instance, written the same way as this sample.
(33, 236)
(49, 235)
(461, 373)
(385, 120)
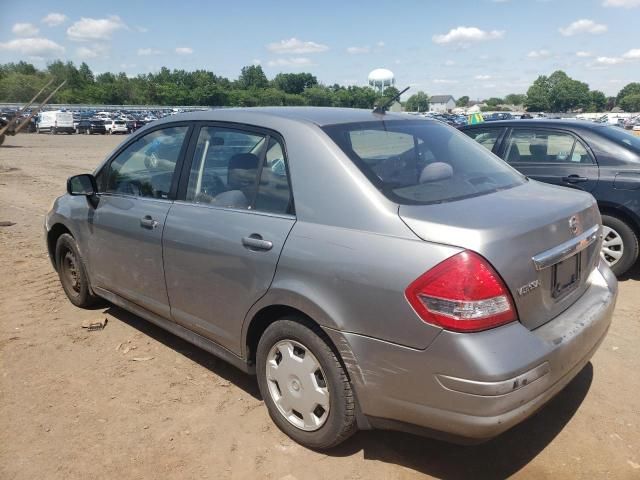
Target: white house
(441, 103)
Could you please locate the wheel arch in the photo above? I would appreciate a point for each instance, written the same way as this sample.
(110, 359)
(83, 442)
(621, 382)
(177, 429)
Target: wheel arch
(54, 233)
(621, 213)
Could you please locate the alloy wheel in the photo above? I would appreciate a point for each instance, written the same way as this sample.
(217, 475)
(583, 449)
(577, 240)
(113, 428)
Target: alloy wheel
(297, 385)
(612, 246)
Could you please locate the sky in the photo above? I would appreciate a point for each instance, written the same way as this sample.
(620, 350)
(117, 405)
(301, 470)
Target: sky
(480, 48)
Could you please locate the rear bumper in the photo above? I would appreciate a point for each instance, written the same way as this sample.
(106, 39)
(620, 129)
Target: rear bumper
(476, 386)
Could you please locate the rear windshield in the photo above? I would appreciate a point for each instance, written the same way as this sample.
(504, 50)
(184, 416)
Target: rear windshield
(422, 161)
(622, 137)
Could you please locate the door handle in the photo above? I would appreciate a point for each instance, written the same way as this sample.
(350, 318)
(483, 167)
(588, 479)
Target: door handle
(575, 179)
(255, 242)
(148, 222)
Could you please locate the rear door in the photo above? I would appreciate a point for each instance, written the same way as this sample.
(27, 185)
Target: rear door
(552, 156)
(224, 235)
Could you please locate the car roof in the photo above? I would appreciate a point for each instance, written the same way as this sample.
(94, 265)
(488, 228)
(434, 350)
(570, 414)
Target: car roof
(540, 122)
(320, 116)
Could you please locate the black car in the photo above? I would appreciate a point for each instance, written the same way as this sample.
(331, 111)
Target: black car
(91, 126)
(596, 158)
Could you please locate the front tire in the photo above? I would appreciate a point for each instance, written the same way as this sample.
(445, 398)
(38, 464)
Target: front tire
(72, 272)
(304, 386)
(620, 244)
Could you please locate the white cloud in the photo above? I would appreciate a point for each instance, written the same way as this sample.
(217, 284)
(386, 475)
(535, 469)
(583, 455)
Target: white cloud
(622, 3)
(358, 50)
(54, 19)
(482, 77)
(256, 61)
(95, 28)
(380, 44)
(92, 52)
(293, 45)
(465, 36)
(583, 26)
(609, 60)
(444, 81)
(184, 50)
(35, 47)
(633, 54)
(148, 51)
(25, 29)
(539, 54)
(141, 29)
(583, 54)
(449, 63)
(289, 62)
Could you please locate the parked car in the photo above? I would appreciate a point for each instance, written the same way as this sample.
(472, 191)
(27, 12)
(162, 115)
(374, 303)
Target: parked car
(116, 126)
(91, 126)
(373, 271)
(596, 158)
(493, 117)
(55, 122)
(135, 124)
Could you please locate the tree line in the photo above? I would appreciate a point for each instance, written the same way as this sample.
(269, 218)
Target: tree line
(20, 81)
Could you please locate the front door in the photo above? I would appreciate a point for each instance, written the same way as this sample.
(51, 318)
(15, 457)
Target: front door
(125, 247)
(551, 156)
(223, 238)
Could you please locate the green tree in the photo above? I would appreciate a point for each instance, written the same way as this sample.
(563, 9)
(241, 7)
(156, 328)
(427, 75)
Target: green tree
(515, 99)
(418, 102)
(252, 76)
(598, 101)
(629, 89)
(319, 96)
(631, 103)
(538, 95)
(494, 102)
(294, 82)
(463, 101)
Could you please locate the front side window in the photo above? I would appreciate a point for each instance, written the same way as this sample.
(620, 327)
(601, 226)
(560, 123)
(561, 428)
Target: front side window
(227, 164)
(422, 161)
(544, 146)
(146, 167)
(487, 137)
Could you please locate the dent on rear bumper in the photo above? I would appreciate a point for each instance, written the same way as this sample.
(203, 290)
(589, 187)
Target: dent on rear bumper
(401, 384)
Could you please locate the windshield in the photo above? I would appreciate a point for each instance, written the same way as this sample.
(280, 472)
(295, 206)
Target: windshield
(624, 138)
(422, 161)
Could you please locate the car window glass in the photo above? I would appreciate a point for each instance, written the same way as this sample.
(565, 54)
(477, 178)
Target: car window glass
(274, 192)
(486, 137)
(539, 146)
(422, 162)
(145, 168)
(580, 154)
(225, 167)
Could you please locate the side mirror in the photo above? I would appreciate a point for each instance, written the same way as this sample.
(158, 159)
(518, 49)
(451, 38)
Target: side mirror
(84, 184)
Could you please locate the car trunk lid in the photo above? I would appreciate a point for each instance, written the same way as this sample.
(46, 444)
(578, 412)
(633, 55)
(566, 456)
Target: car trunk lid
(542, 240)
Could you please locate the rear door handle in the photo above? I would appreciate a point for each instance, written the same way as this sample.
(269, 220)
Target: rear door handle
(255, 242)
(575, 179)
(148, 222)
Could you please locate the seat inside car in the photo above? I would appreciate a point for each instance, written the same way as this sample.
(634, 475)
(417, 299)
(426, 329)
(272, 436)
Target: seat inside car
(241, 181)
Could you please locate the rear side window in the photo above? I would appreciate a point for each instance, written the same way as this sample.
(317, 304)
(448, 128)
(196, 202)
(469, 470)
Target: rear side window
(226, 167)
(422, 161)
(487, 137)
(545, 146)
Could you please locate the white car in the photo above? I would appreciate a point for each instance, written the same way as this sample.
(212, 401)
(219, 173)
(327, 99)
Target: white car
(116, 126)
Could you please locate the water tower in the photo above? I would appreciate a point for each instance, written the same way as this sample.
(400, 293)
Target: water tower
(381, 78)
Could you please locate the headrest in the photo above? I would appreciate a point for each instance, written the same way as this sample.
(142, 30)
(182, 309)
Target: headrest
(245, 161)
(436, 171)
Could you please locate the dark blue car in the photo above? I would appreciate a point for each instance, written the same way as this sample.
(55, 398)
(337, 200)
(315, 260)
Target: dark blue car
(596, 158)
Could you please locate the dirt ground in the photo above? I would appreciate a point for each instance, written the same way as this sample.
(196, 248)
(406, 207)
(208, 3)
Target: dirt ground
(77, 404)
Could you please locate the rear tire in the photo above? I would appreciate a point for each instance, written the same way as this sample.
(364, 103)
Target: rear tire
(72, 272)
(308, 422)
(621, 241)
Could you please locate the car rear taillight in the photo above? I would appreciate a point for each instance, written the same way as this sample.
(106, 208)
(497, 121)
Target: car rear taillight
(463, 293)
